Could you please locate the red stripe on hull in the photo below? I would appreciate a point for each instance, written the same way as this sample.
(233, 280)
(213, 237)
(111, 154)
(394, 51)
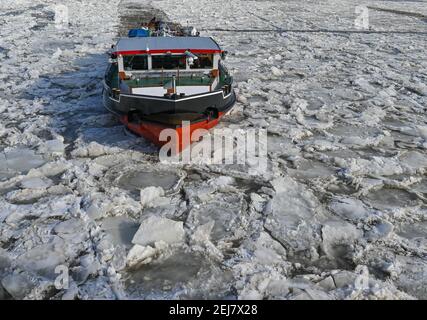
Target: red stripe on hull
(151, 131)
(135, 52)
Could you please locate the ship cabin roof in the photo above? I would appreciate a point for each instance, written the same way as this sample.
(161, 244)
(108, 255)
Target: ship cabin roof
(165, 45)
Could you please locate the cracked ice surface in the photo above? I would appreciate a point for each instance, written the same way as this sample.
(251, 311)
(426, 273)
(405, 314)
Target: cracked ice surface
(344, 200)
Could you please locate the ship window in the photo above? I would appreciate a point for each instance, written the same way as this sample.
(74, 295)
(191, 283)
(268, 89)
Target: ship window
(168, 62)
(135, 62)
(204, 61)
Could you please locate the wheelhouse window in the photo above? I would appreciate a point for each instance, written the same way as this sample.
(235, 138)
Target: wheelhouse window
(203, 61)
(139, 62)
(168, 62)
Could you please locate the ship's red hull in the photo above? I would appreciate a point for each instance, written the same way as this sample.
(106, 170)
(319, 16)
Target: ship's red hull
(152, 130)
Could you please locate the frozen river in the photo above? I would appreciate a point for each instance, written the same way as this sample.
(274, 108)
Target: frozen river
(340, 214)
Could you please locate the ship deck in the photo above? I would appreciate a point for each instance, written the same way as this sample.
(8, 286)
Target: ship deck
(144, 82)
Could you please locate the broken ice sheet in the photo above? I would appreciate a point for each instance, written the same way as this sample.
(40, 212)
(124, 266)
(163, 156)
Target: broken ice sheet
(226, 213)
(138, 180)
(155, 229)
(120, 229)
(416, 234)
(36, 183)
(293, 215)
(311, 169)
(17, 285)
(134, 177)
(338, 239)
(18, 161)
(350, 208)
(181, 274)
(43, 259)
(387, 198)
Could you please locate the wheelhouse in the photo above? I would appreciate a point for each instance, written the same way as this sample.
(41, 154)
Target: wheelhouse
(167, 66)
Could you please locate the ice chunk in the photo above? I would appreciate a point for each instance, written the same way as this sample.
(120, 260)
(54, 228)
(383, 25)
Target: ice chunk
(388, 198)
(242, 99)
(73, 230)
(349, 208)
(309, 169)
(327, 283)
(291, 214)
(276, 71)
(44, 258)
(344, 278)
(422, 131)
(17, 285)
(53, 147)
(150, 194)
(140, 255)
(156, 229)
(52, 168)
(267, 251)
(181, 274)
(277, 289)
(71, 293)
(94, 149)
(381, 230)
(225, 211)
(57, 53)
(335, 233)
(36, 183)
(4, 211)
(99, 204)
(203, 232)
(3, 293)
(414, 160)
(313, 294)
(97, 288)
(257, 202)
(137, 179)
(120, 229)
(18, 160)
(4, 261)
(25, 196)
(414, 231)
(88, 265)
(413, 276)
(221, 181)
